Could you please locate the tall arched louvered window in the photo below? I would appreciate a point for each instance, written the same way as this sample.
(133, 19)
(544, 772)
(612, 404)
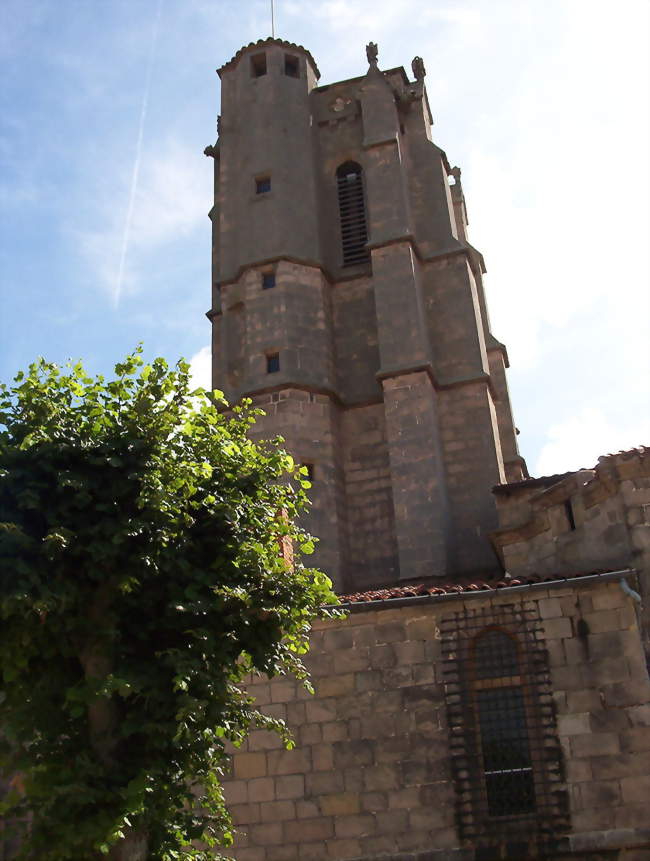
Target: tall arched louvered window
(352, 213)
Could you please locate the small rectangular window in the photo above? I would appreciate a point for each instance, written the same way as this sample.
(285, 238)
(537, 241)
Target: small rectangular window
(268, 280)
(291, 66)
(262, 185)
(310, 471)
(568, 510)
(272, 363)
(258, 65)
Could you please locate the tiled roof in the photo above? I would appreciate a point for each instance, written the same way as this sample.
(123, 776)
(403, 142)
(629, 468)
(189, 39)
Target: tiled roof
(422, 589)
(270, 41)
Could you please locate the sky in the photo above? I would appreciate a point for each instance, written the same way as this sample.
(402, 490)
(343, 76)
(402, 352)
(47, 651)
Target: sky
(106, 107)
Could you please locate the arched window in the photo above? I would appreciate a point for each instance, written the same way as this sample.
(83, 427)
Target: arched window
(502, 725)
(505, 755)
(352, 213)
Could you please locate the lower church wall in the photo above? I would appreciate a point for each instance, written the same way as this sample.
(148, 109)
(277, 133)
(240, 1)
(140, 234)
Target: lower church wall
(378, 768)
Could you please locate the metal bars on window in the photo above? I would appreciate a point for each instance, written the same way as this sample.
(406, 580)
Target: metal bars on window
(352, 213)
(506, 758)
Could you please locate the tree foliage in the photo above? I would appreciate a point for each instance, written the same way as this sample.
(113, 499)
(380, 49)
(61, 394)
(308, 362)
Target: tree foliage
(140, 581)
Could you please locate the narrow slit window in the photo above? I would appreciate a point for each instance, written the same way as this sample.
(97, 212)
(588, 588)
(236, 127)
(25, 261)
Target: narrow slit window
(272, 363)
(352, 214)
(291, 66)
(262, 185)
(268, 280)
(258, 65)
(568, 510)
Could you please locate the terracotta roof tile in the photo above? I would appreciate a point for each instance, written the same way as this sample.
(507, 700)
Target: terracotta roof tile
(421, 589)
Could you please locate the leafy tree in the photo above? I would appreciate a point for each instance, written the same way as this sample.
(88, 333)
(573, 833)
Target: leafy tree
(141, 580)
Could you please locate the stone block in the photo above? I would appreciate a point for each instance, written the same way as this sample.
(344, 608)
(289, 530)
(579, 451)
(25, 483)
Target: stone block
(247, 765)
(252, 853)
(276, 811)
(556, 628)
(620, 765)
(334, 686)
(371, 680)
(266, 834)
(310, 830)
(324, 783)
(636, 789)
(287, 852)
(639, 715)
(321, 711)
(600, 793)
(595, 744)
(340, 804)
(290, 786)
(621, 694)
(588, 700)
(261, 789)
(635, 739)
(380, 778)
(573, 724)
(295, 761)
(390, 632)
(337, 849)
(335, 731)
(373, 802)
(382, 656)
(632, 816)
(609, 597)
(361, 825)
(393, 822)
(245, 814)
(550, 608)
(426, 818)
(322, 757)
(236, 791)
(311, 733)
(306, 809)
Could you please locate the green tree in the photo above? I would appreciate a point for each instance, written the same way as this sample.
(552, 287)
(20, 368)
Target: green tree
(141, 580)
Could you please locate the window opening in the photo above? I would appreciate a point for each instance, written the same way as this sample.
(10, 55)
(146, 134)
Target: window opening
(507, 767)
(268, 280)
(352, 214)
(262, 185)
(505, 755)
(258, 65)
(568, 510)
(291, 66)
(310, 470)
(272, 363)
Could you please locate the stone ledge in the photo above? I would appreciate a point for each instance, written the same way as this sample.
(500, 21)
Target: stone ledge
(616, 838)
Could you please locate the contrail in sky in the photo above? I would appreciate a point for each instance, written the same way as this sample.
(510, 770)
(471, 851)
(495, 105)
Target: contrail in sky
(138, 153)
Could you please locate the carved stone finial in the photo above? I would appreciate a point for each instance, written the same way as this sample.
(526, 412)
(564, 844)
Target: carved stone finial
(372, 51)
(211, 151)
(418, 68)
(455, 172)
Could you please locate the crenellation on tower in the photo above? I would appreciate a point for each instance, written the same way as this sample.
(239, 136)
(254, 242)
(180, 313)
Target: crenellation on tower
(350, 305)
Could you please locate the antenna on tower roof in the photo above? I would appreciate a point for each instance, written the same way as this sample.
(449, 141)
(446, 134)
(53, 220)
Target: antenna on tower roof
(272, 19)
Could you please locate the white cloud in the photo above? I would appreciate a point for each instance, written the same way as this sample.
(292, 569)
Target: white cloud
(171, 202)
(201, 369)
(580, 440)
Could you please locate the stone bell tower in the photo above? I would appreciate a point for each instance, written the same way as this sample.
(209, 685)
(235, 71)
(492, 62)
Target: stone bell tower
(349, 305)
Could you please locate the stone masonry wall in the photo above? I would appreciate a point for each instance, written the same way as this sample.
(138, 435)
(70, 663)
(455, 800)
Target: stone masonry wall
(610, 506)
(370, 775)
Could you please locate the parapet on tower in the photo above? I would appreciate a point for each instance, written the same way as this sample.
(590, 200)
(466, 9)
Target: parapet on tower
(349, 305)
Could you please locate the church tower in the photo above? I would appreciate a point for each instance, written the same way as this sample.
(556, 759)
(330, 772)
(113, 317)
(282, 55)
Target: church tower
(348, 304)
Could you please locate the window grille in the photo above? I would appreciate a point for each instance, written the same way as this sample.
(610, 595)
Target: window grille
(268, 280)
(352, 214)
(272, 363)
(262, 185)
(505, 755)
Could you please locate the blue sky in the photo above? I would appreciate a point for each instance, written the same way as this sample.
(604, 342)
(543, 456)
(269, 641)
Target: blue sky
(106, 106)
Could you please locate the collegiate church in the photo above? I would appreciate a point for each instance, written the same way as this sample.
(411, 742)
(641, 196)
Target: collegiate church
(488, 695)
